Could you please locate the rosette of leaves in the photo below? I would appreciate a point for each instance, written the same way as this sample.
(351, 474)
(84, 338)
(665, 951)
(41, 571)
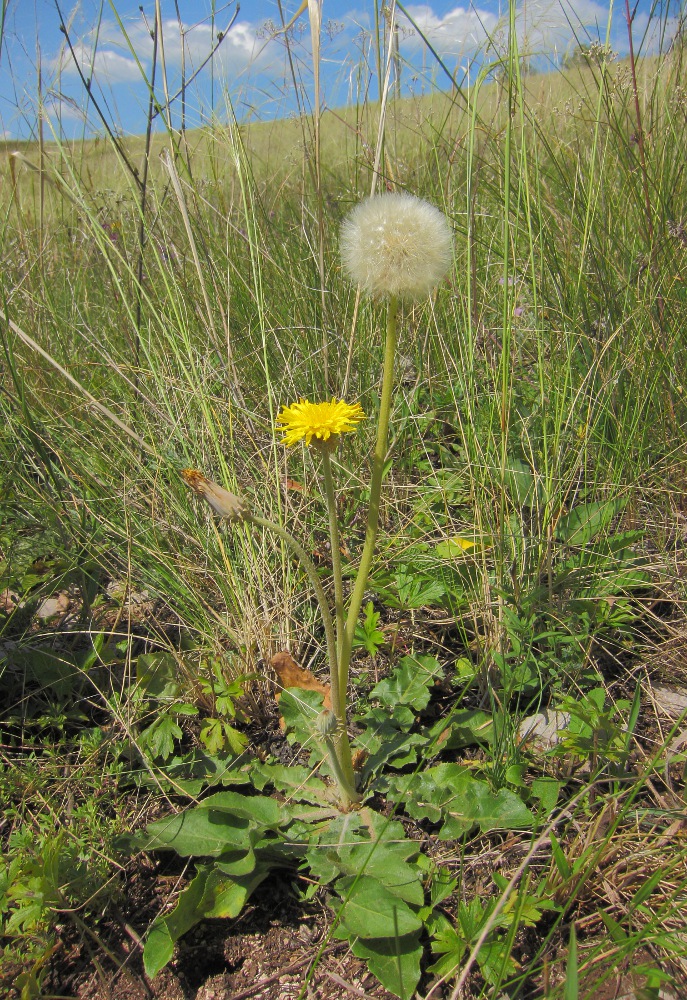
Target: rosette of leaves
(370, 870)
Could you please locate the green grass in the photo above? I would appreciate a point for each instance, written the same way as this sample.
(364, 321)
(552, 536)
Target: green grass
(547, 373)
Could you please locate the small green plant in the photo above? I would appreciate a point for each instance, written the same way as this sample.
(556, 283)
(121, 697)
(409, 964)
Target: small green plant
(598, 732)
(452, 940)
(217, 732)
(54, 863)
(161, 691)
(368, 635)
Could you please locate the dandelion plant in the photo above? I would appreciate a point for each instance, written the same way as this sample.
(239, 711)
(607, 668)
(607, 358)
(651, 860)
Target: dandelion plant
(396, 248)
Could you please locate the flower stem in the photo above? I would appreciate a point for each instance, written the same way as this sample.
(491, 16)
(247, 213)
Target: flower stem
(375, 493)
(343, 768)
(309, 567)
(336, 558)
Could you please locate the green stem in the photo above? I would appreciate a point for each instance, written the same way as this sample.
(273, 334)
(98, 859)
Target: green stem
(343, 768)
(375, 493)
(309, 567)
(336, 560)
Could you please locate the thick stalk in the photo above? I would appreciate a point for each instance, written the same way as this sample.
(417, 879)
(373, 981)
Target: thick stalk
(342, 770)
(375, 493)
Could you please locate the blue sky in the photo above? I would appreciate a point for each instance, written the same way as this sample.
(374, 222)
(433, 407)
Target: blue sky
(111, 42)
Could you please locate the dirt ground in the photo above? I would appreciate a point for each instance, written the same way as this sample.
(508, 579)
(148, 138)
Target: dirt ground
(275, 950)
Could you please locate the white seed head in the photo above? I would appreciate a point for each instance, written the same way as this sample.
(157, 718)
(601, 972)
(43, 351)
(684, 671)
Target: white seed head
(396, 244)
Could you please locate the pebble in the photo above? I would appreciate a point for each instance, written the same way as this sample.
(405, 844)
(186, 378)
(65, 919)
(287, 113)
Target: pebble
(544, 729)
(670, 701)
(53, 606)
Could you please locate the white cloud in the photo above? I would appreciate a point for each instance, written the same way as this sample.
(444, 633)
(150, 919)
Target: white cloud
(550, 26)
(461, 29)
(241, 48)
(105, 65)
(544, 27)
(63, 109)
(649, 34)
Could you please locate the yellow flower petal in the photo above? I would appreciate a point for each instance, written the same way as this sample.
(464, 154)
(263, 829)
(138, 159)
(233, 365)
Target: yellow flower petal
(463, 543)
(305, 421)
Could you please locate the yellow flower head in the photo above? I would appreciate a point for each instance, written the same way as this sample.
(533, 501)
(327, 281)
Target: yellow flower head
(318, 420)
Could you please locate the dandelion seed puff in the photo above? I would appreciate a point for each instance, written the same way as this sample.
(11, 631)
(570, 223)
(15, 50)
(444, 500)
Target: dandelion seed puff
(396, 244)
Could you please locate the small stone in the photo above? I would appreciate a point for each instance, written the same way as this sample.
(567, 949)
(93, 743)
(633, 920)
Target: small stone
(670, 701)
(545, 729)
(53, 606)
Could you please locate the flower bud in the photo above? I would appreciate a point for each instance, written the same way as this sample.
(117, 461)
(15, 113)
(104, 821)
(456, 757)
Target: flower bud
(224, 503)
(326, 724)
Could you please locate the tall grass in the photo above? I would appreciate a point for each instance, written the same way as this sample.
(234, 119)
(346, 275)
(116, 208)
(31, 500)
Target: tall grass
(193, 298)
(190, 307)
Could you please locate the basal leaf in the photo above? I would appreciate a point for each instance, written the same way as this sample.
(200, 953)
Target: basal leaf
(299, 709)
(410, 683)
(376, 848)
(158, 675)
(210, 894)
(237, 863)
(196, 770)
(260, 809)
(223, 820)
(463, 727)
(387, 861)
(394, 961)
(297, 782)
(587, 520)
(426, 794)
(546, 790)
(448, 793)
(196, 832)
(388, 746)
(373, 911)
(398, 876)
(519, 481)
(323, 864)
(479, 806)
